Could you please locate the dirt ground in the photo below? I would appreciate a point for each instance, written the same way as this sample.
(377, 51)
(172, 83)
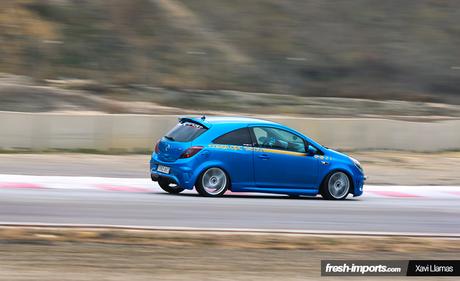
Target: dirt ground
(68, 262)
(148, 255)
(382, 167)
(409, 168)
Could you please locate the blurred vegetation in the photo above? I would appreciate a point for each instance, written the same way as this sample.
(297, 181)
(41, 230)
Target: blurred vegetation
(404, 50)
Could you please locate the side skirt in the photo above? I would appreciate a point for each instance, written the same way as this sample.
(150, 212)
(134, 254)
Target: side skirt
(290, 191)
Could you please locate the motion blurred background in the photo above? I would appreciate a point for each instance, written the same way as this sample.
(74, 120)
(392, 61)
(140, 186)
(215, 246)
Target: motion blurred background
(295, 57)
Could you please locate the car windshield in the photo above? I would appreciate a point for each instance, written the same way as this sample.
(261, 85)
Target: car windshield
(185, 132)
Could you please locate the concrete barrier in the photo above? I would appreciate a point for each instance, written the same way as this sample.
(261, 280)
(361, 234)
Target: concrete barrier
(41, 131)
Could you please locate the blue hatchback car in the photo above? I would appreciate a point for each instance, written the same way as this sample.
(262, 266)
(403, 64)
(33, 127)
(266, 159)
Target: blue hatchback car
(216, 154)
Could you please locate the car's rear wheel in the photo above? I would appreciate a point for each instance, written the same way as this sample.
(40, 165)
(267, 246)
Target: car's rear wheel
(336, 186)
(169, 186)
(213, 182)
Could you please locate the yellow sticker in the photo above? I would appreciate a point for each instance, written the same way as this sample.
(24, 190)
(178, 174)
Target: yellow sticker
(256, 149)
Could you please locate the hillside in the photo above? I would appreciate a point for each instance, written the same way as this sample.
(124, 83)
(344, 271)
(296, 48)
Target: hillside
(368, 49)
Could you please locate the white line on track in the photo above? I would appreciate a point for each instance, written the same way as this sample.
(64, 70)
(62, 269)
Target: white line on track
(146, 185)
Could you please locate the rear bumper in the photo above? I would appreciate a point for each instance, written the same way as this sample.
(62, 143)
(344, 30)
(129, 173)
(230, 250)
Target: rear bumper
(180, 172)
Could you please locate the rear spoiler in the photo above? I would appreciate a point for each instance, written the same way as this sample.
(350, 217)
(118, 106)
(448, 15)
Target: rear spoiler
(195, 120)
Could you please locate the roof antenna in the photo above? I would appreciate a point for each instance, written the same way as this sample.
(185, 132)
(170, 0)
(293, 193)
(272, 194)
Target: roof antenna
(203, 117)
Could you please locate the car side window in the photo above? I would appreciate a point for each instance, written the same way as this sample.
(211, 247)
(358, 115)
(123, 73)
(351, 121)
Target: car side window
(240, 137)
(273, 138)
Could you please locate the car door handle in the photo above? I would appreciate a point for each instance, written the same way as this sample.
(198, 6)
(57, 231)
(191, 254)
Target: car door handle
(263, 156)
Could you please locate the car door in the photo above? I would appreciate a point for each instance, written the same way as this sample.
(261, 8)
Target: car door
(235, 150)
(281, 159)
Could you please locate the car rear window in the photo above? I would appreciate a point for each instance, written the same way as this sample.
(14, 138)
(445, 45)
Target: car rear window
(185, 132)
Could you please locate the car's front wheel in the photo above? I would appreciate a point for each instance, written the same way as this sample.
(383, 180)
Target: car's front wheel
(212, 182)
(336, 186)
(168, 186)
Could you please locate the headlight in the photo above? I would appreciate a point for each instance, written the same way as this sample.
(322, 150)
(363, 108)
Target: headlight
(357, 164)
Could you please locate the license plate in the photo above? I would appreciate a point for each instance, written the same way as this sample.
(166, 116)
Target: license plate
(163, 169)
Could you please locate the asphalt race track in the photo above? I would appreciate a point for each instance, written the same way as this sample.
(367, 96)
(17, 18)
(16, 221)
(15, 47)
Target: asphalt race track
(68, 202)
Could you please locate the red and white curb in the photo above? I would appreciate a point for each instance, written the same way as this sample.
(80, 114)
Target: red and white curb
(145, 185)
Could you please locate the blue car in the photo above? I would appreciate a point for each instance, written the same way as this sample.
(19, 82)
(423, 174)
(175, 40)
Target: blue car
(216, 154)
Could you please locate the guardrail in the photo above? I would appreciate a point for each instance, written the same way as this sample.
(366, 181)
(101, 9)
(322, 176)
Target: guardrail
(105, 132)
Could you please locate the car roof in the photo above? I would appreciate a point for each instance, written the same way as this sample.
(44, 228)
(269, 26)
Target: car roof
(221, 120)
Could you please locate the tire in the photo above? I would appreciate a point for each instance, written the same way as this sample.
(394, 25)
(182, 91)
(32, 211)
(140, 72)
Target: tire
(212, 182)
(169, 186)
(336, 186)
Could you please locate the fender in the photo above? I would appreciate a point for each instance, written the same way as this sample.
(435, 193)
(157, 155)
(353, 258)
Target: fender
(206, 165)
(340, 169)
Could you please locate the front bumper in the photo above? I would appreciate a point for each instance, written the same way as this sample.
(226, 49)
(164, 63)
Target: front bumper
(359, 185)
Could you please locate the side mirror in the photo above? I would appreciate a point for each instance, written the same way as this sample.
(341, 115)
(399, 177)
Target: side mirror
(311, 150)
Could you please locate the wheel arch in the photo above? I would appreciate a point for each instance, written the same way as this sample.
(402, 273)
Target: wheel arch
(347, 173)
(212, 164)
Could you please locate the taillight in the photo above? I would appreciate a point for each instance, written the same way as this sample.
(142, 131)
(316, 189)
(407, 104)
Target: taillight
(157, 148)
(191, 151)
